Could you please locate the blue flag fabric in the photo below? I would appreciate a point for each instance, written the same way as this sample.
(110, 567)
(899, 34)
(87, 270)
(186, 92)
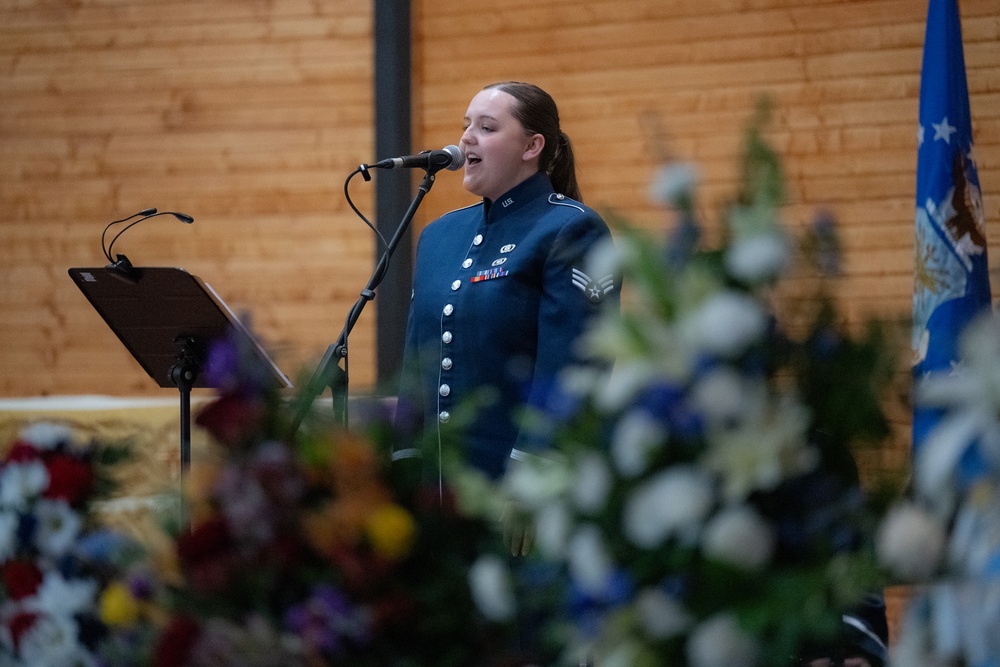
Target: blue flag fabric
(951, 278)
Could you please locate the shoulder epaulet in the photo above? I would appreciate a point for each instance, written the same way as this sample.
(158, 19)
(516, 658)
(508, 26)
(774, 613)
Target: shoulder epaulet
(557, 199)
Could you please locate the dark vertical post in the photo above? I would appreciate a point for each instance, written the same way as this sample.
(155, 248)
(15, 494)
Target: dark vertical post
(392, 187)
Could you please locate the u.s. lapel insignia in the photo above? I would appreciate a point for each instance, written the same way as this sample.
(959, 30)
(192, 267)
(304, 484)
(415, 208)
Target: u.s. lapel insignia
(594, 290)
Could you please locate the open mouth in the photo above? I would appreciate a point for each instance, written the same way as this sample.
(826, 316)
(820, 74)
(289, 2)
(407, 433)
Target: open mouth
(472, 159)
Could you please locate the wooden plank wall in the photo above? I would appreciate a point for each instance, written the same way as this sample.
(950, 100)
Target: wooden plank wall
(248, 115)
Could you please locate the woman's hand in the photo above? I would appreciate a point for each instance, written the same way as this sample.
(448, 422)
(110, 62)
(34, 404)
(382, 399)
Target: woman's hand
(518, 529)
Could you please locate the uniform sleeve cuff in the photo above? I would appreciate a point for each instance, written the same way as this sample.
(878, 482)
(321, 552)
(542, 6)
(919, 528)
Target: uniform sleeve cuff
(519, 455)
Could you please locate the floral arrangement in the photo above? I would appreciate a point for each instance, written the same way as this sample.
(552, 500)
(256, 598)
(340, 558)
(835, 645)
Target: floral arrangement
(60, 573)
(701, 506)
(944, 536)
(304, 547)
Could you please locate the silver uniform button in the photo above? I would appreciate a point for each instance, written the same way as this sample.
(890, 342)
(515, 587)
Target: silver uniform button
(467, 263)
(446, 363)
(560, 196)
(455, 285)
(449, 309)
(444, 390)
(444, 416)
(478, 239)
(446, 337)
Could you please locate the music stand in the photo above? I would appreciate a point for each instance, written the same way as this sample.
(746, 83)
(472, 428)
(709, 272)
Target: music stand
(166, 318)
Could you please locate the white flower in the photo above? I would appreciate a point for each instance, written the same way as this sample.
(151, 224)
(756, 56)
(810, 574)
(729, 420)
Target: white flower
(21, 483)
(245, 505)
(723, 397)
(975, 533)
(581, 381)
(58, 527)
(535, 481)
(8, 534)
(720, 642)
(57, 595)
(910, 542)
(726, 324)
(758, 258)
(489, 581)
(46, 435)
(673, 181)
(740, 536)
(635, 438)
(625, 380)
(552, 528)
(592, 484)
(661, 615)
(971, 393)
(608, 256)
(759, 454)
(52, 641)
(625, 653)
(589, 561)
(674, 501)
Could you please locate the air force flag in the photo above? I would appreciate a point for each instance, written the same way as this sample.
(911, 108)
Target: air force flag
(951, 280)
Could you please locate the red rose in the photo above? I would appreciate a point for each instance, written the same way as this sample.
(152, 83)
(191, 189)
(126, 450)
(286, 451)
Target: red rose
(208, 555)
(20, 624)
(174, 646)
(21, 578)
(20, 452)
(232, 419)
(69, 479)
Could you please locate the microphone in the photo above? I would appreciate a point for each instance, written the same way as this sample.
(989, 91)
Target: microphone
(450, 157)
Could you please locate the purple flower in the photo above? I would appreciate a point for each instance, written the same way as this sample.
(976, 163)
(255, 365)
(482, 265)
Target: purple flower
(326, 619)
(141, 585)
(234, 366)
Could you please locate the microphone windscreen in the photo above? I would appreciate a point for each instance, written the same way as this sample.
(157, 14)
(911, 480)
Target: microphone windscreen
(457, 157)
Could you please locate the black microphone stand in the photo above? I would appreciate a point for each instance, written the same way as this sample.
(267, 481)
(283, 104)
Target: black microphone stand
(330, 373)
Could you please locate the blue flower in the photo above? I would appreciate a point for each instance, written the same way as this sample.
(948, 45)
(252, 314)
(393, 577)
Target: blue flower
(588, 610)
(666, 402)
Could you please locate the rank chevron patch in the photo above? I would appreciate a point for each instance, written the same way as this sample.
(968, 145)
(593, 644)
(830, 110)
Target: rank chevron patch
(594, 290)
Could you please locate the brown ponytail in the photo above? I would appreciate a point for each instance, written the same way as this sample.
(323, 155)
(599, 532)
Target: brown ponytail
(538, 114)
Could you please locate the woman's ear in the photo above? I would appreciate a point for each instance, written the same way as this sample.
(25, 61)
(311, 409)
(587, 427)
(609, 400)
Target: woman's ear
(534, 148)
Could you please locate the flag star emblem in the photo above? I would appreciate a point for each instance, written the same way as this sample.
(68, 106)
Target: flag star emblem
(595, 290)
(920, 135)
(944, 131)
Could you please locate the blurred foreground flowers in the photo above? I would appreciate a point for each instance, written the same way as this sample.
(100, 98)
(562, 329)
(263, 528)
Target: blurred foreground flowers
(702, 499)
(59, 572)
(305, 548)
(945, 536)
(700, 505)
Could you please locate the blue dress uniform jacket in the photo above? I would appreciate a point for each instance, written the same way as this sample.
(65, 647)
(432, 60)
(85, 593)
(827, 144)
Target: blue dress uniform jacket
(500, 295)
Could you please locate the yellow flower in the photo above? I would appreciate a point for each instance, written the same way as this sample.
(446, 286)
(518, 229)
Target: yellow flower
(118, 607)
(391, 530)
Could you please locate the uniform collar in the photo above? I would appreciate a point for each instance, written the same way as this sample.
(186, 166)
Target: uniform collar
(526, 191)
